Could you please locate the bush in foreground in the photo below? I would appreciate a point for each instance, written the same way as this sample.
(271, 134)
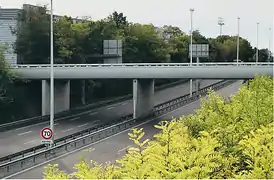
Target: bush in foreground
(226, 138)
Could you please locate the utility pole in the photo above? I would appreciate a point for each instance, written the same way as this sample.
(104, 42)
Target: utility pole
(51, 76)
(257, 50)
(238, 40)
(269, 45)
(221, 23)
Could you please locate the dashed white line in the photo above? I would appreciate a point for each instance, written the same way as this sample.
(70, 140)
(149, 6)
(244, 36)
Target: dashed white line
(124, 104)
(24, 133)
(123, 149)
(30, 126)
(93, 113)
(56, 124)
(83, 125)
(95, 121)
(21, 128)
(67, 130)
(73, 119)
(29, 142)
(89, 149)
(111, 107)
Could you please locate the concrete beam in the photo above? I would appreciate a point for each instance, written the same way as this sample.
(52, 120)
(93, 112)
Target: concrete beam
(112, 72)
(61, 96)
(143, 97)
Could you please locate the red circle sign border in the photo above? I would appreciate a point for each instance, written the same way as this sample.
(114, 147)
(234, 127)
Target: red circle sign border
(51, 133)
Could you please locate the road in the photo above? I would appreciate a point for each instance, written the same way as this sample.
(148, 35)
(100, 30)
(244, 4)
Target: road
(114, 147)
(26, 137)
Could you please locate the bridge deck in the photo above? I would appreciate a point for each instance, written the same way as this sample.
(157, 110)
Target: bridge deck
(148, 71)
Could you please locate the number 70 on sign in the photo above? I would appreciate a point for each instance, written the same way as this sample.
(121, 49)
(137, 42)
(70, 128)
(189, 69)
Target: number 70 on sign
(46, 134)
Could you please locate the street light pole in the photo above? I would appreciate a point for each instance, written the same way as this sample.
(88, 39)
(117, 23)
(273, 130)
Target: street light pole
(238, 40)
(269, 45)
(221, 23)
(51, 75)
(191, 31)
(257, 50)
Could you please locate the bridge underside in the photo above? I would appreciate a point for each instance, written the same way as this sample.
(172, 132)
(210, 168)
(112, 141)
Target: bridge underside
(143, 96)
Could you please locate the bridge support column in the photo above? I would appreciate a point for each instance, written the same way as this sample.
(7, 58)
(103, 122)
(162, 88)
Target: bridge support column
(61, 96)
(197, 86)
(143, 97)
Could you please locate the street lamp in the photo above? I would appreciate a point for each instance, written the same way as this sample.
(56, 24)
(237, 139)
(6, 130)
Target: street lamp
(51, 76)
(269, 44)
(257, 50)
(238, 40)
(191, 31)
(221, 23)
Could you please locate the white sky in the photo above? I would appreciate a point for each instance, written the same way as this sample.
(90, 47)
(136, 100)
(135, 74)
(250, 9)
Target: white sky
(176, 13)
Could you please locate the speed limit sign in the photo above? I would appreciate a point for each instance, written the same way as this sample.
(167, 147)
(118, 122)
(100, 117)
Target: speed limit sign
(46, 133)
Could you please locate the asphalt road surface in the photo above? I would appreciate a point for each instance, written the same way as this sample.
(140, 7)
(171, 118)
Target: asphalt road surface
(114, 147)
(26, 137)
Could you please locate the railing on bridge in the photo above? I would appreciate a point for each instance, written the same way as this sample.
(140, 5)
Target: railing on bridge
(138, 65)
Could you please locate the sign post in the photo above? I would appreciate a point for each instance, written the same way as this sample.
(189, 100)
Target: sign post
(46, 134)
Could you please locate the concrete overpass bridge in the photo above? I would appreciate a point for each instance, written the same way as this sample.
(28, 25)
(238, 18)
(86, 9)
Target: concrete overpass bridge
(145, 71)
(143, 76)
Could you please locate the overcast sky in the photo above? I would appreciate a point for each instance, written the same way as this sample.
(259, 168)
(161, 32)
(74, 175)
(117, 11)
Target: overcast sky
(176, 13)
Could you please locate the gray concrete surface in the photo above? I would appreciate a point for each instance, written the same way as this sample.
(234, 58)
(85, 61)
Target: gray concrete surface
(114, 147)
(143, 97)
(61, 96)
(146, 71)
(26, 137)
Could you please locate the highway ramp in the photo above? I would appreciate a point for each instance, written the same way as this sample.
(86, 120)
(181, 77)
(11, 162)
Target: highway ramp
(26, 137)
(114, 147)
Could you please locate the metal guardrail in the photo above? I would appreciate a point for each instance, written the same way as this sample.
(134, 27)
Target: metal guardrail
(74, 111)
(96, 133)
(138, 65)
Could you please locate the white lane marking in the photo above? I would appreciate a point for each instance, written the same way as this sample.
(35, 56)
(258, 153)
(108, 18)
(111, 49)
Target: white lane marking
(24, 133)
(56, 124)
(73, 119)
(124, 149)
(111, 107)
(124, 103)
(82, 125)
(89, 149)
(67, 130)
(31, 126)
(93, 113)
(29, 142)
(95, 121)
(88, 145)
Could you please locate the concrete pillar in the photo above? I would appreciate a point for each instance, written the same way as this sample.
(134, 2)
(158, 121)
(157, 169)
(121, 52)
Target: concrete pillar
(197, 80)
(143, 97)
(61, 96)
(197, 86)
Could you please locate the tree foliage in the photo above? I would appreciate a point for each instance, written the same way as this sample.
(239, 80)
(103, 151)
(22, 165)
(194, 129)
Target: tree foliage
(75, 41)
(8, 92)
(225, 138)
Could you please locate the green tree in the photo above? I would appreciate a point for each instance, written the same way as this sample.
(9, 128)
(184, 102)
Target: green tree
(33, 40)
(143, 44)
(7, 90)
